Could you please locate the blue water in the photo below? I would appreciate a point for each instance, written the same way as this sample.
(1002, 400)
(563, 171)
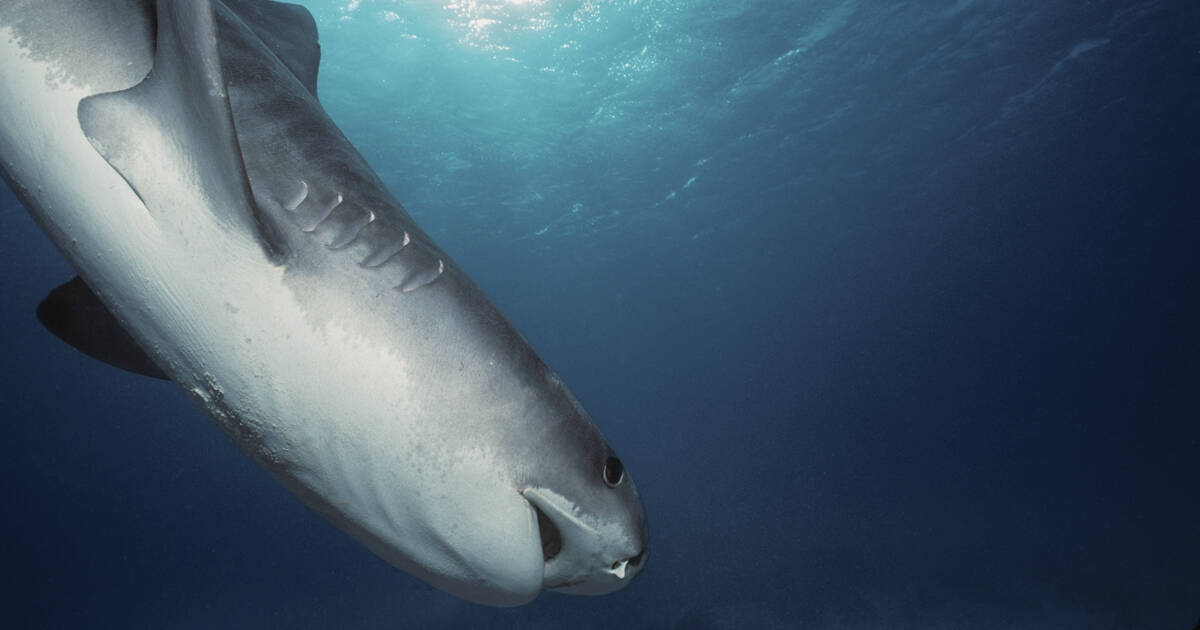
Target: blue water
(890, 308)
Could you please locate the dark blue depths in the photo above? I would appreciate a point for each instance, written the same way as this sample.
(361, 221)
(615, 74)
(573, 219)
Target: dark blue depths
(890, 308)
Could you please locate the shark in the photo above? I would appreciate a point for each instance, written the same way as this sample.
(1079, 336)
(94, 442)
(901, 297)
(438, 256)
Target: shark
(229, 238)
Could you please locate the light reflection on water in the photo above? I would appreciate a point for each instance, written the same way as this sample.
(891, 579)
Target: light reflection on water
(499, 105)
(489, 26)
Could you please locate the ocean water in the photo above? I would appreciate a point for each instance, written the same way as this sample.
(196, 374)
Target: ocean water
(890, 308)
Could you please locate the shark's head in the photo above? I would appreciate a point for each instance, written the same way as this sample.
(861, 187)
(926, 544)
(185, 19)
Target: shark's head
(523, 495)
(592, 526)
(565, 515)
(562, 512)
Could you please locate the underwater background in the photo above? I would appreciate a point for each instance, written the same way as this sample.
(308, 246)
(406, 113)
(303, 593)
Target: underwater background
(890, 309)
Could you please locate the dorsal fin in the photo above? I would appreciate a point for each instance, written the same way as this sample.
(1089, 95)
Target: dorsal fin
(75, 315)
(289, 31)
(172, 136)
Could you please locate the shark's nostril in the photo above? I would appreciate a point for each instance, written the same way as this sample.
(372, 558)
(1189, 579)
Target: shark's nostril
(619, 568)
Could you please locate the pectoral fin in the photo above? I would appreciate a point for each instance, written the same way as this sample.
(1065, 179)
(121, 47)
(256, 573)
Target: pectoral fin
(75, 315)
(172, 136)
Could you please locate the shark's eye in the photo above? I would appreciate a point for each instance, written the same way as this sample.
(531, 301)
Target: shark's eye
(614, 471)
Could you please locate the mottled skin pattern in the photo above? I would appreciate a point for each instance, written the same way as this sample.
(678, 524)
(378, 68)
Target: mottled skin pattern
(270, 274)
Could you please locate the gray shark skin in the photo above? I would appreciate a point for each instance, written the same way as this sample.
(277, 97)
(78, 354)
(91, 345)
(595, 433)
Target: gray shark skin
(176, 154)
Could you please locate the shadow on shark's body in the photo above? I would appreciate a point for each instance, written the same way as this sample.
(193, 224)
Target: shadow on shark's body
(177, 155)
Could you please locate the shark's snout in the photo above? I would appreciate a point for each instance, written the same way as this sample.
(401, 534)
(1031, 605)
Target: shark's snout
(585, 554)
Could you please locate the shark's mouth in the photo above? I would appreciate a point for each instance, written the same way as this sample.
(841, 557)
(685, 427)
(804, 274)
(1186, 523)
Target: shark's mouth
(551, 538)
